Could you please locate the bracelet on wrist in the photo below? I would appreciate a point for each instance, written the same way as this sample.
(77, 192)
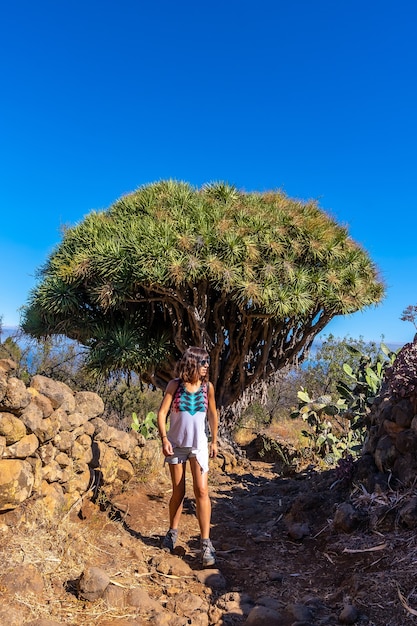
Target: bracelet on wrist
(164, 437)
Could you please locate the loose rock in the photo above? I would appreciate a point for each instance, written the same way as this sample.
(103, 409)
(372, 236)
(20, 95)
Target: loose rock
(92, 583)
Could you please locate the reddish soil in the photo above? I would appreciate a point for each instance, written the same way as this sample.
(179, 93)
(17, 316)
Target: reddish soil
(277, 546)
(254, 509)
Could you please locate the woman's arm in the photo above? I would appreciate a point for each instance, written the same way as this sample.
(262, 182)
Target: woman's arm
(162, 416)
(213, 420)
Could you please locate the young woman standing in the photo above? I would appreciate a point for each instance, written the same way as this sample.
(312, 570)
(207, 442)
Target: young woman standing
(189, 399)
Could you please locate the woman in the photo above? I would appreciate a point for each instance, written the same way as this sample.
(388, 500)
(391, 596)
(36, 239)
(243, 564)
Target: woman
(190, 399)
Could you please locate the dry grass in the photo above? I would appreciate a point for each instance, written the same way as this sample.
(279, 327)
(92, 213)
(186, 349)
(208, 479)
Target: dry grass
(243, 435)
(60, 551)
(290, 430)
(71, 612)
(287, 429)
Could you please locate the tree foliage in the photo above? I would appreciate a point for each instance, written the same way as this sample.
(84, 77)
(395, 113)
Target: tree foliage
(253, 277)
(410, 315)
(9, 349)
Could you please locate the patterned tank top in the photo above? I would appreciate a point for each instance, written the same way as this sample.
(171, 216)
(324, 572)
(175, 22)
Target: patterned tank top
(188, 417)
(190, 402)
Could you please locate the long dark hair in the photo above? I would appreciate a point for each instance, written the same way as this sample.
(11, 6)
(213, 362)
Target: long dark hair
(188, 368)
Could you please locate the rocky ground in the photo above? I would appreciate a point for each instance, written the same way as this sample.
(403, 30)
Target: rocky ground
(293, 550)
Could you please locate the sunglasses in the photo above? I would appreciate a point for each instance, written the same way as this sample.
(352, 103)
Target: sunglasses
(204, 362)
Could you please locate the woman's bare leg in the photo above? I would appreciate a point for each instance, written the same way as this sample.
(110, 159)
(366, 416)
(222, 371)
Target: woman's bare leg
(202, 500)
(178, 492)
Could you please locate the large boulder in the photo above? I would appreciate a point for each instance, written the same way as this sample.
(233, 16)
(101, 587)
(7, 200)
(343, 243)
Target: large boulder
(16, 396)
(16, 482)
(41, 401)
(7, 366)
(12, 428)
(89, 404)
(23, 448)
(32, 416)
(58, 393)
(123, 442)
(53, 500)
(49, 427)
(106, 461)
(3, 383)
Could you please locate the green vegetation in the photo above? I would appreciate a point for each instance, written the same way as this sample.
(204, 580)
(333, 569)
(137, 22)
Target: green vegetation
(331, 421)
(323, 373)
(365, 383)
(254, 277)
(338, 426)
(148, 427)
(321, 436)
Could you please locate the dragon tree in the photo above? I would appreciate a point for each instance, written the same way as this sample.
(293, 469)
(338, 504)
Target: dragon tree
(252, 277)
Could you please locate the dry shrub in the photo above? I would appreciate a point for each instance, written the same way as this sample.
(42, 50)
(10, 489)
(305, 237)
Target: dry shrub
(287, 429)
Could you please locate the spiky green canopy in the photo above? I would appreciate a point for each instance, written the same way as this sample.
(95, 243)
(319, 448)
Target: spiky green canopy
(252, 276)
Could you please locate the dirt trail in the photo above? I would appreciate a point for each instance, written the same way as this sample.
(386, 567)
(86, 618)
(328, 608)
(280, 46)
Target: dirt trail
(277, 547)
(281, 559)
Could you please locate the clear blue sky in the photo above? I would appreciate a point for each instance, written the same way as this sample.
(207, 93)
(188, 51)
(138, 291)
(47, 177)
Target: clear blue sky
(316, 98)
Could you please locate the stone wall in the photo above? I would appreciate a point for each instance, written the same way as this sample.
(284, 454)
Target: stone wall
(392, 439)
(54, 445)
